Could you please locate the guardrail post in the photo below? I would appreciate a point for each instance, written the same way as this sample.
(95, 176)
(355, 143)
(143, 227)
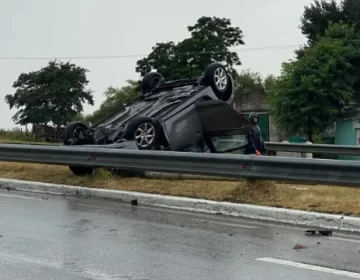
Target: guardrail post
(307, 155)
(285, 154)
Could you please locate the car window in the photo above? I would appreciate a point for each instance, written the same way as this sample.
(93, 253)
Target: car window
(229, 142)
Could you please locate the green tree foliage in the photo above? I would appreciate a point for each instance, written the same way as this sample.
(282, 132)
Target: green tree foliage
(210, 41)
(309, 94)
(269, 82)
(55, 93)
(116, 99)
(248, 80)
(317, 18)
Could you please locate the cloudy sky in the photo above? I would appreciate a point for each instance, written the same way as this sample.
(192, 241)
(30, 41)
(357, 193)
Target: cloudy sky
(71, 28)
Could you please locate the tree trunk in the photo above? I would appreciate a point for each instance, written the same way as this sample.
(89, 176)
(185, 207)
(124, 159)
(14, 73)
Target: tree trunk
(57, 133)
(310, 134)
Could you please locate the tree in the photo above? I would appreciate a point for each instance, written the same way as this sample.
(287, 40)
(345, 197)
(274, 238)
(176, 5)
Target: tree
(248, 80)
(311, 91)
(351, 12)
(210, 41)
(55, 93)
(269, 82)
(317, 18)
(116, 99)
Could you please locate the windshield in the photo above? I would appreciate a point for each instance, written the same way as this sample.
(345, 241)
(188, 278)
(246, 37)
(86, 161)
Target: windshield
(229, 142)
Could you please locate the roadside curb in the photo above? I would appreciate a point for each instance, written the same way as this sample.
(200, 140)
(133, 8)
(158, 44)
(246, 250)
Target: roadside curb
(287, 216)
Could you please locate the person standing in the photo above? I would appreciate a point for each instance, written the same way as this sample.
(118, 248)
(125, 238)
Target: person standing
(256, 144)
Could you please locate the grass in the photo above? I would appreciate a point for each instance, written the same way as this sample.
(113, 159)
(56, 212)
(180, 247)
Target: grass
(11, 141)
(17, 137)
(328, 199)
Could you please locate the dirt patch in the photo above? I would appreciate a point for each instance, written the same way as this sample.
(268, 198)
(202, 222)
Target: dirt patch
(319, 198)
(254, 192)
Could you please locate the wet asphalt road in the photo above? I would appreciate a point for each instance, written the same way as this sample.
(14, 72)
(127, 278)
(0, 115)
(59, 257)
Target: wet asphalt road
(51, 237)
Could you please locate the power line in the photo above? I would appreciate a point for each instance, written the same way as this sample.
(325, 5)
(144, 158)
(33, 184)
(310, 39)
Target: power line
(144, 55)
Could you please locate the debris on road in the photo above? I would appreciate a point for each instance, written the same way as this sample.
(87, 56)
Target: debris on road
(323, 232)
(299, 246)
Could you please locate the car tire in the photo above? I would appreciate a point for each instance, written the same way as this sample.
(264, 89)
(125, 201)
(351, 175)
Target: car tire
(69, 132)
(127, 173)
(150, 81)
(144, 131)
(71, 129)
(229, 94)
(81, 170)
(217, 78)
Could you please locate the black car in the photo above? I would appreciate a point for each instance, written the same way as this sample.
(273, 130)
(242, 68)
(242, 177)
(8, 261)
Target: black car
(188, 115)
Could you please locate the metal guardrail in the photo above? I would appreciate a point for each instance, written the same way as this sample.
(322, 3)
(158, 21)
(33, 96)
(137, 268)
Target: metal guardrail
(224, 165)
(309, 148)
(283, 147)
(313, 148)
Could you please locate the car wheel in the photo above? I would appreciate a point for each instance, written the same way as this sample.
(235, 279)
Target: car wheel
(144, 131)
(150, 81)
(75, 132)
(216, 76)
(81, 170)
(127, 173)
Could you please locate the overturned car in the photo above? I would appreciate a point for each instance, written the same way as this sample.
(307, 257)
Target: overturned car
(189, 115)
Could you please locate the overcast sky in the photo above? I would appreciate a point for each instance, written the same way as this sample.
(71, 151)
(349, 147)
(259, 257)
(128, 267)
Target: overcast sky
(50, 28)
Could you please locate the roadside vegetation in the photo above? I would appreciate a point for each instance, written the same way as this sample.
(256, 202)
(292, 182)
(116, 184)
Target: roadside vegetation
(18, 137)
(319, 198)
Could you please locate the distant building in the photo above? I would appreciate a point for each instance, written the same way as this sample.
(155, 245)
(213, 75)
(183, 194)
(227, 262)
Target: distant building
(347, 131)
(255, 100)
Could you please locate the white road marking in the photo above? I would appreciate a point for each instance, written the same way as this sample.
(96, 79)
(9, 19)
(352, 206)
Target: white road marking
(311, 267)
(17, 196)
(345, 239)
